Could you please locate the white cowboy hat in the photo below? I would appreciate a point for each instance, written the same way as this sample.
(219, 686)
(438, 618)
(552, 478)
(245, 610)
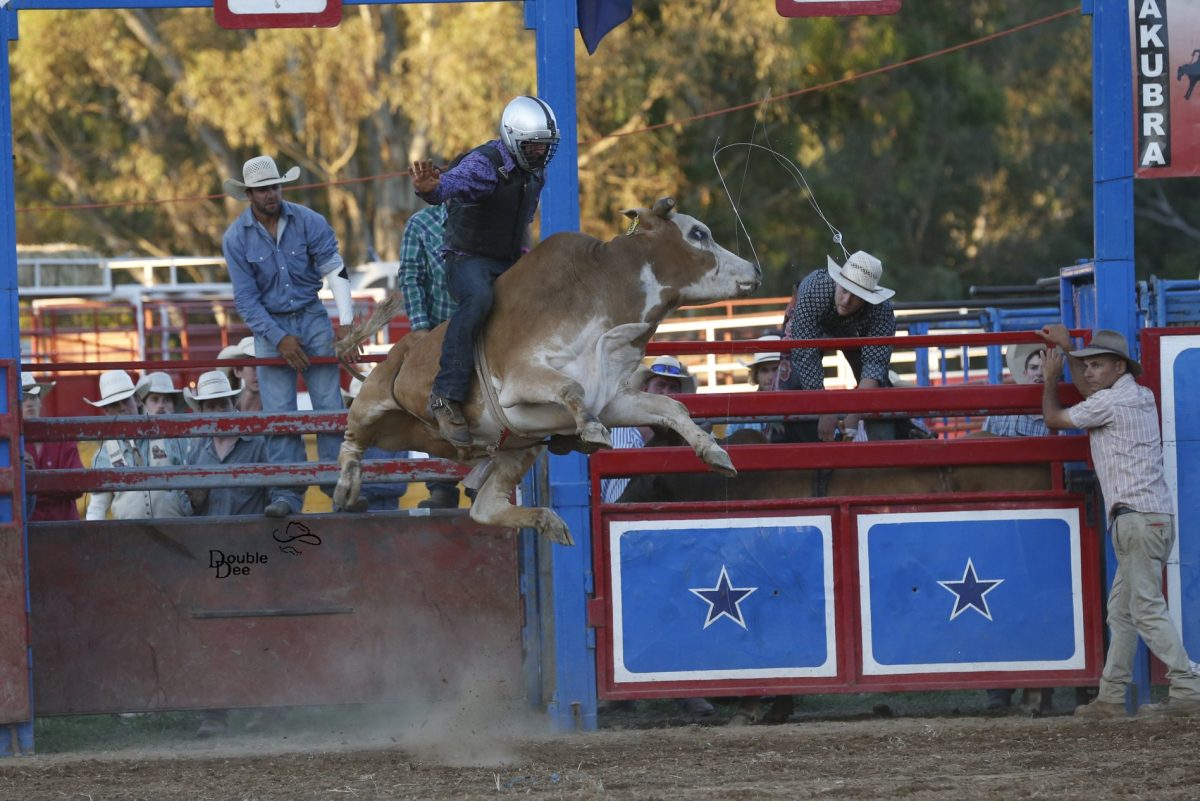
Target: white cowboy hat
(210, 385)
(667, 367)
(31, 386)
(258, 171)
(115, 385)
(158, 383)
(1105, 340)
(860, 275)
(764, 358)
(1017, 357)
(244, 349)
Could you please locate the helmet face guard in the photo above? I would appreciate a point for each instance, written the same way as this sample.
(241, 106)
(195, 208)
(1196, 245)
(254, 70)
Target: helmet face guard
(529, 130)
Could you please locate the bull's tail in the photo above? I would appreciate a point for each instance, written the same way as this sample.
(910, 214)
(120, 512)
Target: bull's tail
(363, 331)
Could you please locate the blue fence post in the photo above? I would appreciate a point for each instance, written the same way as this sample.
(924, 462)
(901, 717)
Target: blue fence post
(1112, 124)
(568, 660)
(20, 739)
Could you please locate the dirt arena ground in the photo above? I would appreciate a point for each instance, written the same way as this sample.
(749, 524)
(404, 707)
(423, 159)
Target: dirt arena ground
(889, 755)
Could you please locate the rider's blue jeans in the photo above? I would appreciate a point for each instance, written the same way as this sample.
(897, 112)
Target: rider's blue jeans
(469, 279)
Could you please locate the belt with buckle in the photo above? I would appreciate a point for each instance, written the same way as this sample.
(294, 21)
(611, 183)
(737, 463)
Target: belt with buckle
(1121, 509)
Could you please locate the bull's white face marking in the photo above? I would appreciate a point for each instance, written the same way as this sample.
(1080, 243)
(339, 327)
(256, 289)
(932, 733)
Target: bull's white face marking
(652, 290)
(732, 276)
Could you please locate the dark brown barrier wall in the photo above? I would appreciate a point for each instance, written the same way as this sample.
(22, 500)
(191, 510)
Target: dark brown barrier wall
(197, 613)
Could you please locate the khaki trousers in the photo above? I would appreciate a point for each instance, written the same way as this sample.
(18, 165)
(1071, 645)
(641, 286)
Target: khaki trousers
(1136, 606)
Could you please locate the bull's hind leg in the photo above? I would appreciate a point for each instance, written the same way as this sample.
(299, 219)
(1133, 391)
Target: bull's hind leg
(534, 384)
(634, 408)
(493, 507)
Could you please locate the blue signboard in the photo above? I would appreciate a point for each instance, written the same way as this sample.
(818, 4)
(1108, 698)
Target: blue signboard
(970, 591)
(727, 598)
(1180, 359)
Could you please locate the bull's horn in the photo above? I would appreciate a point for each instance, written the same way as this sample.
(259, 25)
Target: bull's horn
(663, 207)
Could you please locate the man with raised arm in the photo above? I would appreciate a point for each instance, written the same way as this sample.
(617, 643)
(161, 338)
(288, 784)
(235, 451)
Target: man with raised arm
(1121, 419)
(491, 194)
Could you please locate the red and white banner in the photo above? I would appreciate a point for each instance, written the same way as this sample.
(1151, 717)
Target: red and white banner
(1166, 98)
(835, 8)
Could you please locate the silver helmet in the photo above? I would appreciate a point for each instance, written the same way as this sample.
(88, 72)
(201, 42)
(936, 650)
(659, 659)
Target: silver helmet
(528, 124)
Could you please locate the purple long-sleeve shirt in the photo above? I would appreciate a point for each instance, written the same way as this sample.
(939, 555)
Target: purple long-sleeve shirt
(472, 179)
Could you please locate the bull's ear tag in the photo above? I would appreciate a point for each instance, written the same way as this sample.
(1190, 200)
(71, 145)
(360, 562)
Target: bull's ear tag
(633, 226)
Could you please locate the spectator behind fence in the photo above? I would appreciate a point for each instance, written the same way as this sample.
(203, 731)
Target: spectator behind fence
(47, 456)
(1025, 367)
(427, 302)
(840, 301)
(278, 253)
(1121, 419)
(493, 194)
(762, 371)
(381, 496)
(214, 395)
(243, 376)
(117, 397)
(157, 394)
(665, 376)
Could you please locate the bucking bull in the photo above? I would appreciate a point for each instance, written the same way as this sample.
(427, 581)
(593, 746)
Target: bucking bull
(569, 326)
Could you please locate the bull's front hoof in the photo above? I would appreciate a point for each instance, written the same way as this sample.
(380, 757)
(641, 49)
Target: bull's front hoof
(552, 527)
(719, 461)
(596, 435)
(345, 494)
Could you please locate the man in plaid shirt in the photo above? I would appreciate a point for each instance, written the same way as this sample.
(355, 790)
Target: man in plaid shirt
(427, 303)
(422, 275)
(841, 301)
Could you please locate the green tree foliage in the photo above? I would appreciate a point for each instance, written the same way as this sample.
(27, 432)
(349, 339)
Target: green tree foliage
(970, 168)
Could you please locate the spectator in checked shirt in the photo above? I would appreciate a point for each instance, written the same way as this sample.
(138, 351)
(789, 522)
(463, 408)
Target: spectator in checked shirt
(1025, 366)
(427, 303)
(422, 274)
(842, 301)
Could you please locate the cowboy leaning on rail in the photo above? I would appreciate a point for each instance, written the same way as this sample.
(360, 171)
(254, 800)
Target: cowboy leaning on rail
(117, 397)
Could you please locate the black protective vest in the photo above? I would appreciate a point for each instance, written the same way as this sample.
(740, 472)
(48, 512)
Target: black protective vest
(494, 227)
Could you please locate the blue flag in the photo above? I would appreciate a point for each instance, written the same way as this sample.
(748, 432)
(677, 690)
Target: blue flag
(598, 17)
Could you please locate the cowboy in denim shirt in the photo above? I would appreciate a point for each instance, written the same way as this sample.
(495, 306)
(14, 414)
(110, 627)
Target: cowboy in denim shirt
(278, 254)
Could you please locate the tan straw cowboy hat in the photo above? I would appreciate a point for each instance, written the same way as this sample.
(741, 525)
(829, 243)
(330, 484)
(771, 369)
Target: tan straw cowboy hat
(258, 171)
(1105, 340)
(860, 275)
